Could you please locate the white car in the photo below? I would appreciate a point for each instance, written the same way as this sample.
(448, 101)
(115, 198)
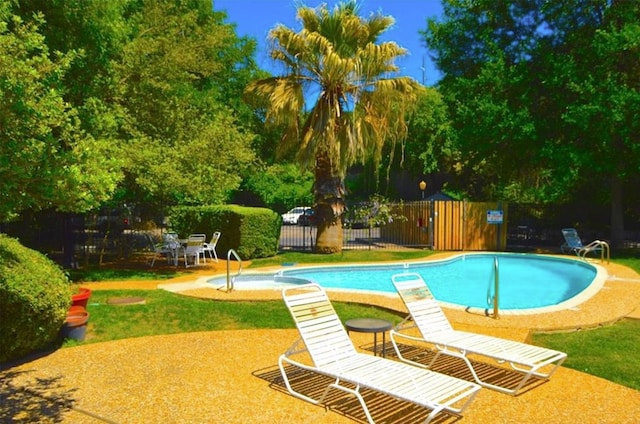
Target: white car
(291, 217)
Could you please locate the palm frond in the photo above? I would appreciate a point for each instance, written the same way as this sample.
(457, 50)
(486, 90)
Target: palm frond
(360, 104)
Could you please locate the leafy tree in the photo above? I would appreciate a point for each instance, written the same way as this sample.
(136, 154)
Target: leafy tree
(46, 159)
(542, 96)
(335, 63)
(482, 47)
(95, 31)
(155, 84)
(429, 147)
(602, 80)
(374, 212)
(120, 102)
(430, 140)
(183, 146)
(281, 186)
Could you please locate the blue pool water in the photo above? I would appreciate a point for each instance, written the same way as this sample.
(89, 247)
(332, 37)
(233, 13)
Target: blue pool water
(526, 281)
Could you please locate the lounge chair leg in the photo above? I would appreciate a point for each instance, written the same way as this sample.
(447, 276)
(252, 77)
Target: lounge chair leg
(290, 389)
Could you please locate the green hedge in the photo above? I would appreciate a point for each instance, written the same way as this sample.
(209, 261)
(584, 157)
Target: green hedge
(251, 232)
(35, 295)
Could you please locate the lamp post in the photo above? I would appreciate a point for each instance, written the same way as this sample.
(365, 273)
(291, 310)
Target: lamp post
(423, 187)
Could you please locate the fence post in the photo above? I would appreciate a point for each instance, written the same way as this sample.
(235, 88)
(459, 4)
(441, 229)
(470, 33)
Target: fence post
(431, 224)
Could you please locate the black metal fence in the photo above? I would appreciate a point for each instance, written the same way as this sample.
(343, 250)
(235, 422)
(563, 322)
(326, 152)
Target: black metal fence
(528, 227)
(302, 238)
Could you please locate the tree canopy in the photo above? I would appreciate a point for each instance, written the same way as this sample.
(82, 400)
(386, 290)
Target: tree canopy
(184, 145)
(543, 96)
(122, 100)
(141, 101)
(46, 157)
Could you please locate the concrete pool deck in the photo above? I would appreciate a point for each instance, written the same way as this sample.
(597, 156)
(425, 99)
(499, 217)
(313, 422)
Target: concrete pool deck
(232, 376)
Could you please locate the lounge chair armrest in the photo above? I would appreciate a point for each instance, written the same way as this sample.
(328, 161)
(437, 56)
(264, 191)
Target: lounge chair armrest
(395, 333)
(405, 324)
(296, 348)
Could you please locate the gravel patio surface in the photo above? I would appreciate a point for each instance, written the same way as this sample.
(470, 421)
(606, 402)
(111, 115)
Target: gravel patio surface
(232, 376)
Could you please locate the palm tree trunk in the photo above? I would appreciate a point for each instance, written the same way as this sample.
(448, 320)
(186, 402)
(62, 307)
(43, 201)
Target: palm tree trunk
(328, 192)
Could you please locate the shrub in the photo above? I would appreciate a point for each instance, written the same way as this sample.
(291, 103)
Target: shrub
(251, 232)
(34, 298)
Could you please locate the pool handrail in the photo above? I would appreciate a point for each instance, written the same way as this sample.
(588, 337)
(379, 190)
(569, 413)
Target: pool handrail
(230, 281)
(600, 245)
(573, 243)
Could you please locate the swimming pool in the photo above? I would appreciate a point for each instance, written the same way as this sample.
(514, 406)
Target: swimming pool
(526, 282)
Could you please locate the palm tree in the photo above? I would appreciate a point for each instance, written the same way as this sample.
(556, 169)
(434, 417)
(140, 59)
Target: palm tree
(359, 105)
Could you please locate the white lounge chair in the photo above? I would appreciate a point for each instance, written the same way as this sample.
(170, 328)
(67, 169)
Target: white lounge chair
(333, 354)
(435, 330)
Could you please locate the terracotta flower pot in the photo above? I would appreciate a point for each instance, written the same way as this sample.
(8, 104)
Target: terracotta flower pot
(75, 325)
(76, 309)
(81, 298)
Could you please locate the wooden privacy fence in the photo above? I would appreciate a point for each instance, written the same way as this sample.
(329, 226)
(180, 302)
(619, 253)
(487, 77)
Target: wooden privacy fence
(448, 225)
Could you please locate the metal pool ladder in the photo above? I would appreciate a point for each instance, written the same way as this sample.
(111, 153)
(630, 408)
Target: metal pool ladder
(492, 299)
(230, 280)
(596, 245)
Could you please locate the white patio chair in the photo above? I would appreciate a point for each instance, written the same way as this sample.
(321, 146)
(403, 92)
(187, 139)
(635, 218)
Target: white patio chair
(194, 249)
(326, 341)
(435, 331)
(158, 249)
(210, 247)
(172, 246)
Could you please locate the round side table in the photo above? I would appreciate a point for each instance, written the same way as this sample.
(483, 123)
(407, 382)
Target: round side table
(371, 325)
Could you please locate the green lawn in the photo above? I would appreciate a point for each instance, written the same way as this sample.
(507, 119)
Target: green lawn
(609, 352)
(168, 313)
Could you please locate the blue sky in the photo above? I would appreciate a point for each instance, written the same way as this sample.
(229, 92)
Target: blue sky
(256, 17)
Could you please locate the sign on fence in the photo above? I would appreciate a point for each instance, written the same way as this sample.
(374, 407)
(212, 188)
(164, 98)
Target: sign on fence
(495, 217)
